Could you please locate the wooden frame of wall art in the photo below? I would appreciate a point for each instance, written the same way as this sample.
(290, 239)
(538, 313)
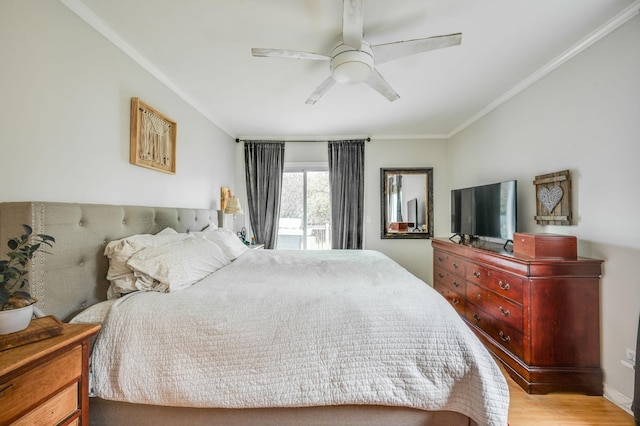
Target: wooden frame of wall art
(153, 138)
(553, 198)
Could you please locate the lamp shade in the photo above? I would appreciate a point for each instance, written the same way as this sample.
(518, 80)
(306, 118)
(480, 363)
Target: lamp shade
(233, 206)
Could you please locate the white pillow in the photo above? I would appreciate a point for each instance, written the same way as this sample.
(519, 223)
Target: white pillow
(177, 265)
(94, 314)
(119, 251)
(229, 242)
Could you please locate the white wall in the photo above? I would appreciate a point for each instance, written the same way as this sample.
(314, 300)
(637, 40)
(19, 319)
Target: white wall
(585, 117)
(306, 152)
(65, 96)
(414, 255)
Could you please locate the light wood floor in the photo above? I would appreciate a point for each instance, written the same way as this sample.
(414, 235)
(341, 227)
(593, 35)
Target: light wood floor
(562, 409)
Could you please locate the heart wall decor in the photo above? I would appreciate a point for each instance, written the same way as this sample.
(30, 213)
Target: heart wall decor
(550, 197)
(553, 198)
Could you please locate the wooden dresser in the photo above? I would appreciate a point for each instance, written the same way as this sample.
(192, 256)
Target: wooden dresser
(46, 382)
(540, 317)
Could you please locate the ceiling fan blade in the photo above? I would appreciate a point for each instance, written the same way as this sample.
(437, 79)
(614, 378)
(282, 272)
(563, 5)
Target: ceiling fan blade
(390, 51)
(290, 54)
(321, 90)
(352, 23)
(381, 86)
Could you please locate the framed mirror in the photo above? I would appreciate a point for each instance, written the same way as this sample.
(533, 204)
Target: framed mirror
(406, 202)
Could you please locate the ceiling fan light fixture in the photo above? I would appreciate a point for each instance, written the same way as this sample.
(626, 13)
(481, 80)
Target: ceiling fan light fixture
(351, 72)
(352, 60)
(351, 66)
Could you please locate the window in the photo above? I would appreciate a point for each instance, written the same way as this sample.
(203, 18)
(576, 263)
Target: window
(305, 209)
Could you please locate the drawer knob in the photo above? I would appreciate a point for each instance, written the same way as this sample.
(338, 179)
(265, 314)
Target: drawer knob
(476, 274)
(455, 301)
(440, 274)
(479, 296)
(456, 284)
(476, 317)
(5, 389)
(440, 259)
(504, 339)
(455, 265)
(503, 285)
(503, 311)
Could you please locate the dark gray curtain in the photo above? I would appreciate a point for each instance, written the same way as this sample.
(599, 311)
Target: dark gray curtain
(264, 167)
(346, 177)
(399, 198)
(635, 406)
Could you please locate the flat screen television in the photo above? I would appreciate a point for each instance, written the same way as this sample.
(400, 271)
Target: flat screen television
(485, 210)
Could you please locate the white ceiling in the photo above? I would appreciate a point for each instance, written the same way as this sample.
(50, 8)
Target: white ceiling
(202, 50)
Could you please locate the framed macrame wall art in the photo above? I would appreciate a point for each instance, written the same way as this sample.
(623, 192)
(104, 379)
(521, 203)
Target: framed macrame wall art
(153, 138)
(553, 198)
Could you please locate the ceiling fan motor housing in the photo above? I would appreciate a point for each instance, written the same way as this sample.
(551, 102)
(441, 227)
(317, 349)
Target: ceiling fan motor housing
(350, 65)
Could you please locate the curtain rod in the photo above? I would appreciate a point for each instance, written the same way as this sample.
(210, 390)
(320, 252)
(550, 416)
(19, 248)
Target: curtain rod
(319, 140)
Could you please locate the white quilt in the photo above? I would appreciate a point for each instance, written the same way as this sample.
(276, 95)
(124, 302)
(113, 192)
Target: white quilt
(298, 328)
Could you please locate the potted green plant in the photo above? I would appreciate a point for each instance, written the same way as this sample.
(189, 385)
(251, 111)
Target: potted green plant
(16, 302)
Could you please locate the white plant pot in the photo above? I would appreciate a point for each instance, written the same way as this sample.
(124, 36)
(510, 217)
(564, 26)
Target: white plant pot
(15, 319)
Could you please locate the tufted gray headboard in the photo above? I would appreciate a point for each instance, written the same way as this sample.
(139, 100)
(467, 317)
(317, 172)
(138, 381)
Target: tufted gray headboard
(74, 275)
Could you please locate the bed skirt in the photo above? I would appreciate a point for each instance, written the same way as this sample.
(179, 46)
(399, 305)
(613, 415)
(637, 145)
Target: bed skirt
(107, 413)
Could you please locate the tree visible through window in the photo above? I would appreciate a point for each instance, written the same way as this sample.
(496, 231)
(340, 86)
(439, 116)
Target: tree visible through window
(305, 210)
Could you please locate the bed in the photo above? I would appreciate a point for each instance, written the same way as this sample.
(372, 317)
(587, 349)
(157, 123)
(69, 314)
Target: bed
(270, 337)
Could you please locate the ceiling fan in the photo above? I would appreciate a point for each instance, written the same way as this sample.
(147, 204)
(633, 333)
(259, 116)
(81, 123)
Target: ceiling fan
(354, 60)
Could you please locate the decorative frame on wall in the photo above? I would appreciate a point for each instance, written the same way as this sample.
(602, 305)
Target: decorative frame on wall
(553, 198)
(153, 138)
(397, 187)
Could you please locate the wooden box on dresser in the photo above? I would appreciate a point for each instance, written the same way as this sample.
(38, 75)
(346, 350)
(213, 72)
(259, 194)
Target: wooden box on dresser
(540, 317)
(46, 382)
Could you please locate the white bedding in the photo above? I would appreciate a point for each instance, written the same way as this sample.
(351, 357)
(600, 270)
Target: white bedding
(298, 328)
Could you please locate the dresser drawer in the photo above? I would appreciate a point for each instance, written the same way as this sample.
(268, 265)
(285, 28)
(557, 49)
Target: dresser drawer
(23, 392)
(457, 301)
(505, 336)
(454, 282)
(450, 262)
(501, 309)
(52, 411)
(505, 284)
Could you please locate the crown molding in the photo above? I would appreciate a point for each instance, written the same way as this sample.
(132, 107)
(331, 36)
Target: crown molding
(409, 137)
(598, 34)
(99, 25)
(110, 34)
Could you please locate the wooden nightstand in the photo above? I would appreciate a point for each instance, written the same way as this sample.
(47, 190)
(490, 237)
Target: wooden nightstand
(256, 246)
(47, 382)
